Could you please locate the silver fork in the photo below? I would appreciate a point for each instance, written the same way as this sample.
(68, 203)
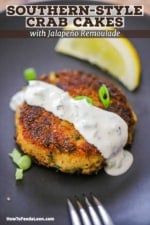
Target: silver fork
(91, 216)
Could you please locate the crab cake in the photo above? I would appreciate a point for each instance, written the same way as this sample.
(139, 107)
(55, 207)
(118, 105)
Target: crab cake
(54, 142)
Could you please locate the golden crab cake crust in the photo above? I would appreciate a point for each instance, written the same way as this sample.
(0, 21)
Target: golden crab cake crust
(56, 143)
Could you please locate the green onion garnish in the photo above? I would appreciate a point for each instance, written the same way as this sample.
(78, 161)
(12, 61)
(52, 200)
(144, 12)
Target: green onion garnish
(88, 99)
(30, 74)
(19, 174)
(15, 155)
(24, 162)
(104, 95)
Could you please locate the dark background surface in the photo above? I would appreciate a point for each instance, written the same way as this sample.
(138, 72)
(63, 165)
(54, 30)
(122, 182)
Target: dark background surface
(43, 192)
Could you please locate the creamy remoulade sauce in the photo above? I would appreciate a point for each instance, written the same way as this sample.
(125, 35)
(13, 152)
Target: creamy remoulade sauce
(107, 131)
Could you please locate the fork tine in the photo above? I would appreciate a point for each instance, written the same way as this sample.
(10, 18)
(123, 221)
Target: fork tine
(92, 212)
(102, 211)
(83, 213)
(75, 219)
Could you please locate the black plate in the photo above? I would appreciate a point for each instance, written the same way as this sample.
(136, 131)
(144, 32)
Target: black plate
(43, 192)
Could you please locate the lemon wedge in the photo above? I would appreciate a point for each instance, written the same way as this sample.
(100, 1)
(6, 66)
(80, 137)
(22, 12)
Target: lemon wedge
(117, 56)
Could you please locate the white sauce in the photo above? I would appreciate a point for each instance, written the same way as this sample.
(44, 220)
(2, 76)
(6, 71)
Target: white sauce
(107, 131)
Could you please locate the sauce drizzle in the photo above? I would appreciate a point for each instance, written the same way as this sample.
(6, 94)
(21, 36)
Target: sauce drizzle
(107, 131)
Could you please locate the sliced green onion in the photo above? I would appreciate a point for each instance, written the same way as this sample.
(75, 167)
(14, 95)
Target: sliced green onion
(15, 155)
(19, 174)
(30, 74)
(88, 99)
(104, 95)
(24, 162)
